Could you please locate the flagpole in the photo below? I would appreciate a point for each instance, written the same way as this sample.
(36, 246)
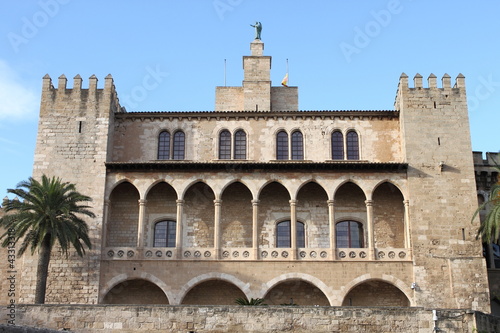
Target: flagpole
(224, 72)
(287, 71)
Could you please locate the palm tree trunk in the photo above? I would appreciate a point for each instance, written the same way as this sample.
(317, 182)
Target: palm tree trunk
(42, 270)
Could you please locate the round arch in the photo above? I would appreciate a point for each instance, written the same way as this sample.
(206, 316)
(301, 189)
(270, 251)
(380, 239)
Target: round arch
(266, 287)
(134, 276)
(403, 287)
(244, 287)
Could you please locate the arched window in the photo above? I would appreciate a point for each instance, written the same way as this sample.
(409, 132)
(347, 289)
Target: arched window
(297, 146)
(165, 234)
(283, 234)
(352, 146)
(225, 145)
(337, 146)
(349, 234)
(179, 146)
(240, 145)
(282, 146)
(164, 146)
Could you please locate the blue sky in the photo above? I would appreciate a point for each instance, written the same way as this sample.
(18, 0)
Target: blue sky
(342, 54)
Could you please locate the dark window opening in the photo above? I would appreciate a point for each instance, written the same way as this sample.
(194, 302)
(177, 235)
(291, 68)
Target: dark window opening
(283, 234)
(164, 146)
(337, 146)
(297, 146)
(240, 145)
(349, 234)
(225, 145)
(282, 146)
(179, 146)
(352, 146)
(165, 234)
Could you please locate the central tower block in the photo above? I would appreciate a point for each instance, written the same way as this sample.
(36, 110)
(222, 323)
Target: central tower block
(256, 92)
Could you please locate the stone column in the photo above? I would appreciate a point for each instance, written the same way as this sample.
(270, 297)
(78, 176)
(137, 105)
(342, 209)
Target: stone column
(293, 228)
(217, 206)
(331, 223)
(255, 228)
(407, 224)
(105, 223)
(369, 226)
(178, 228)
(142, 224)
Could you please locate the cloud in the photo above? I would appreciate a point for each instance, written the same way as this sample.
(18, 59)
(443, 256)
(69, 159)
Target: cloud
(18, 101)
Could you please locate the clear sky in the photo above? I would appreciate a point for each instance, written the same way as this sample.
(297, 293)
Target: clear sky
(343, 55)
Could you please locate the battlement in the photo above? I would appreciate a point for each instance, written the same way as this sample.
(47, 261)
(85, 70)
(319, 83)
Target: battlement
(431, 81)
(92, 94)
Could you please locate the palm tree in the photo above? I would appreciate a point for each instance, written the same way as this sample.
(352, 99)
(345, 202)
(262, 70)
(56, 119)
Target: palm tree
(489, 229)
(47, 212)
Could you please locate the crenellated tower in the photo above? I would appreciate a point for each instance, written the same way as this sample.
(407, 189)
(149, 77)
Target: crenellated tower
(73, 143)
(449, 267)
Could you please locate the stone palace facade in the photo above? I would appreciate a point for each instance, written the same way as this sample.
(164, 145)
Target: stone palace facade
(258, 199)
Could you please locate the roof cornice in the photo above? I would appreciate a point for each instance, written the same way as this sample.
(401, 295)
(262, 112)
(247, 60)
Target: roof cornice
(231, 166)
(238, 115)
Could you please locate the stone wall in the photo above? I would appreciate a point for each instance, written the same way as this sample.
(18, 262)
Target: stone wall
(199, 319)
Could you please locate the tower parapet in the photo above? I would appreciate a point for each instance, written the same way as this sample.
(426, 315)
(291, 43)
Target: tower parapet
(256, 92)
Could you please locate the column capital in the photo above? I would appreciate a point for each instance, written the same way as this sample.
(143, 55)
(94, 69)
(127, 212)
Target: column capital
(179, 202)
(106, 202)
(406, 202)
(330, 202)
(217, 202)
(255, 202)
(369, 202)
(142, 202)
(293, 202)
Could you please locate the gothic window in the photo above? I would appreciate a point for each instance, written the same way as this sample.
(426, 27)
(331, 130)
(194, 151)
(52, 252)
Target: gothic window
(352, 146)
(164, 146)
(282, 146)
(179, 146)
(240, 145)
(297, 146)
(349, 234)
(225, 145)
(337, 146)
(165, 234)
(283, 234)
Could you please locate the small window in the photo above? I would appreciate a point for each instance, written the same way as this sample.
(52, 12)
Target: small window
(352, 146)
(240, 145)
(179, 146)
(337, 146)
(225, 145)
(283, 234)
(165, 234)
(164, 146)
(282, 146)
(297, 146)
(349, 234)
